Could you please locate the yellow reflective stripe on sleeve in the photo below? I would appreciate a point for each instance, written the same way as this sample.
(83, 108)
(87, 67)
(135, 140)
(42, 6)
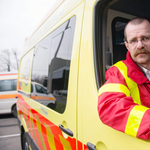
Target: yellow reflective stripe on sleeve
(113, 87)
(134, 90)
(134, 119)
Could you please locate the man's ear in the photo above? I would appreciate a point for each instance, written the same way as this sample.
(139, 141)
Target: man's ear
(126, 44)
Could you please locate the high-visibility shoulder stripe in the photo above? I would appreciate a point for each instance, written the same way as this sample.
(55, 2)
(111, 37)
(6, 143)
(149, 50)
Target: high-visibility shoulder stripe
(134, 90)
(113, 87)
(134, 119)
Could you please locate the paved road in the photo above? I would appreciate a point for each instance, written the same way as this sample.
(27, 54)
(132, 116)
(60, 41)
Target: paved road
(9, 133)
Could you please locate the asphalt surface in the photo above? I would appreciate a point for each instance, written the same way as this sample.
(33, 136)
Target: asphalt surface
(9, 133)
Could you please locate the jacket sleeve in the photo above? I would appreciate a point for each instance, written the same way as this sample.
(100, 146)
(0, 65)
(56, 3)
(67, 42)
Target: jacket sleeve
(117, 109)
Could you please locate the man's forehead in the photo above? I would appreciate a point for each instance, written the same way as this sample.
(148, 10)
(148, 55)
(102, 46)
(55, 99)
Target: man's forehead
(143, 23)
(143, 27)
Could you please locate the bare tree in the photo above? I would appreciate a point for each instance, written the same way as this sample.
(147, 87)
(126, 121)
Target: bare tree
(5, 59)
(16, 55)
(9, 60)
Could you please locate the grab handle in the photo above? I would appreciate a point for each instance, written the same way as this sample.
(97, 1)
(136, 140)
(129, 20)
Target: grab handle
(67, 131)
(90, 146)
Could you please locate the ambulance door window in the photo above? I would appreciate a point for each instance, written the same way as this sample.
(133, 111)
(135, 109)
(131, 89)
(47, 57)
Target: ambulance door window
(59, 63)
(51, 64)
(40, 73)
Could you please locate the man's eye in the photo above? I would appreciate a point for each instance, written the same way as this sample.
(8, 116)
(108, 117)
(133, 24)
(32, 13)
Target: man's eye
(146, 38)
(133, 41)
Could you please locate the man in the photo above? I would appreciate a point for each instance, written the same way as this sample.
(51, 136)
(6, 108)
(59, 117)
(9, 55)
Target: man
(124, 100)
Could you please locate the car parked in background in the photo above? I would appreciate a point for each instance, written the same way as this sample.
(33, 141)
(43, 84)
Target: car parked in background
(41, 95)
(8, 93)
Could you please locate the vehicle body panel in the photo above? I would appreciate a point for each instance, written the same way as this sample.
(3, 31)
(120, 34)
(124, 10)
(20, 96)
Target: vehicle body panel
(79, 124)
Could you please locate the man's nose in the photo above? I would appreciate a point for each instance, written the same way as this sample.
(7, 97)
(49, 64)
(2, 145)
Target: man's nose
(140, 44)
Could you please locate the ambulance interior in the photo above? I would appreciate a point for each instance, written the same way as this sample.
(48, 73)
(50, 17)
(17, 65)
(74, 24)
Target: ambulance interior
(114, 18)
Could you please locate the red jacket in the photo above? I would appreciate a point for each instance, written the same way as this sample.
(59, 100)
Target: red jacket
(124, 100)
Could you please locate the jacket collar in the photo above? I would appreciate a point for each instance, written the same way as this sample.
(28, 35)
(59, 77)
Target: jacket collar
(134, 71)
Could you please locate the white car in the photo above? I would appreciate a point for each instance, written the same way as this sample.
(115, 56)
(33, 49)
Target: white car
(40, 94)
(8, 93)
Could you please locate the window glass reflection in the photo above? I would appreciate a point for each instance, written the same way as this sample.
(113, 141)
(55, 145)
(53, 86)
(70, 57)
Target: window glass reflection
(119, 30)
(51, 65)
(119, 49)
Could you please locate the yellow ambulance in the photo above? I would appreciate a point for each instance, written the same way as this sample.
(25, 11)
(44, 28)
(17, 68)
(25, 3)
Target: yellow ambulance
(68, 55)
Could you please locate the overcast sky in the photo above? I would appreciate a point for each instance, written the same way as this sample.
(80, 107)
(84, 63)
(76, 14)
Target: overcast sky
(19, 19)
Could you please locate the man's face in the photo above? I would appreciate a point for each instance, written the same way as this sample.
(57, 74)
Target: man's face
(138, 43)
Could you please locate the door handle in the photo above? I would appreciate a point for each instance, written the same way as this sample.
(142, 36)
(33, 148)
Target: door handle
(90, 146)
(67, 131)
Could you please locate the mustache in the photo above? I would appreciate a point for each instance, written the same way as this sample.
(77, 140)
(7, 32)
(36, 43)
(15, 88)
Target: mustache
(142, 51)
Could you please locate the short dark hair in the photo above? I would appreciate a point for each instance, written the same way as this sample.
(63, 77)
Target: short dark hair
(134, 21)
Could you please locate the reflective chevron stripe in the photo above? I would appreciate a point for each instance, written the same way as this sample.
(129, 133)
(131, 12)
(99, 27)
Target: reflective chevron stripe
(45, 134)
(134, 120)
(113, 87)
(134, 90)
